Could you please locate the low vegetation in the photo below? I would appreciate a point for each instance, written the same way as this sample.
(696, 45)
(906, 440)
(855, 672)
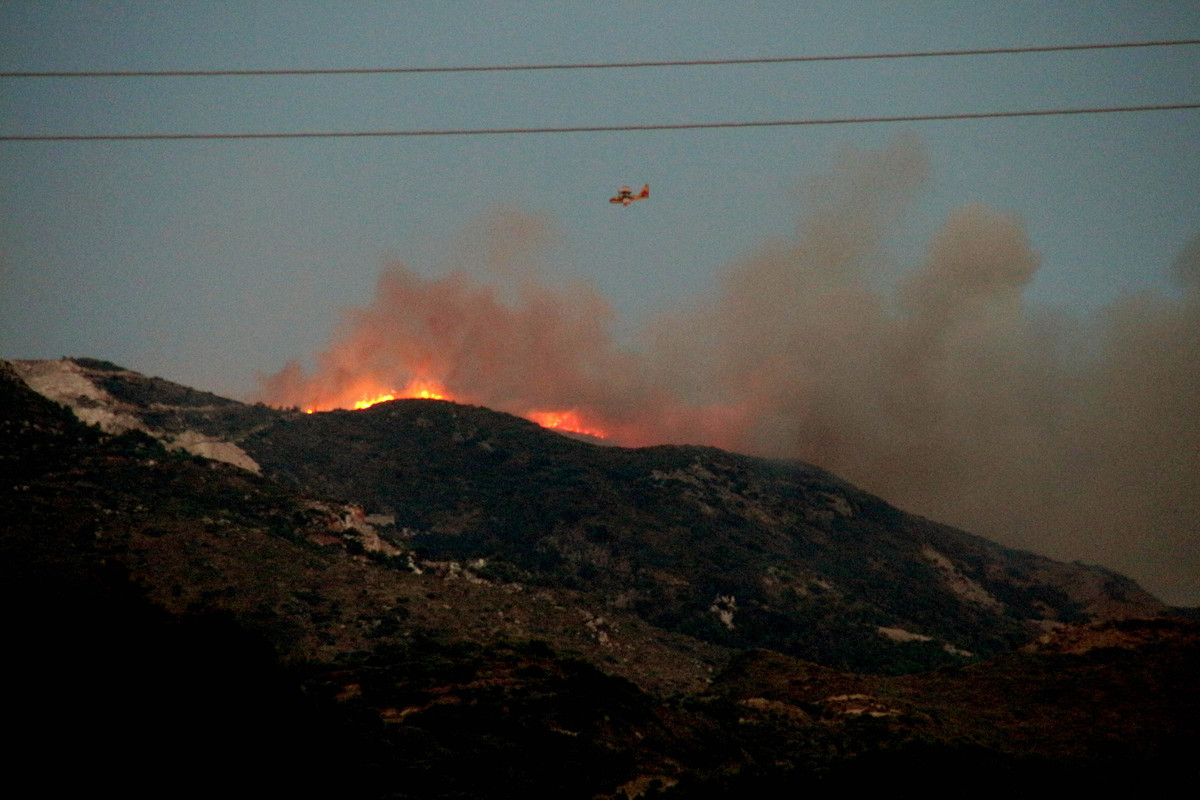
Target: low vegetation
(528, 615)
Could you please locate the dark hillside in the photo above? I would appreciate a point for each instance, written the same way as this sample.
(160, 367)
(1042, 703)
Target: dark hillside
(179, 626)
(739, 551)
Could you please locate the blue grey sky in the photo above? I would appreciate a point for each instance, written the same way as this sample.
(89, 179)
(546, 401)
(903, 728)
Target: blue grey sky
(214, 263)
(210, 262)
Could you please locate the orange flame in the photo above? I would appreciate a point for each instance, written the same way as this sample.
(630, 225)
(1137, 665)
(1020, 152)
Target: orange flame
(370, 401)
(425, 389)
(416, 388)
(564, 421)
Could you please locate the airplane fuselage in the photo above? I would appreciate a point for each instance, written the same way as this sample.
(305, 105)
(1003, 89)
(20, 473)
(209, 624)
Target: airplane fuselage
(626, 196)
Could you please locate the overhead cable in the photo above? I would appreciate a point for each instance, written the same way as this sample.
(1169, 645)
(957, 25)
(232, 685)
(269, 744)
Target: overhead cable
(714, 62)
(675, 126)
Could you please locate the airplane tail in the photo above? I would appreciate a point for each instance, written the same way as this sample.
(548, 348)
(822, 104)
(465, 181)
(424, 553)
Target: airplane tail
(645, 191)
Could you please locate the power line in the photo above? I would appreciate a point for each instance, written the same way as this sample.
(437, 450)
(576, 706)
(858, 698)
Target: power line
(716, 62)
(120, 137)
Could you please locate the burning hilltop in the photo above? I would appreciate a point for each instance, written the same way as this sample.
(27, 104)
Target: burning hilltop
(547, 357)
(569, 421)
(937, 385)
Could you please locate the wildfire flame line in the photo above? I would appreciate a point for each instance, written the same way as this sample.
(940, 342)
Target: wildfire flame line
(568, 421)
(564, 421)
(368, 402)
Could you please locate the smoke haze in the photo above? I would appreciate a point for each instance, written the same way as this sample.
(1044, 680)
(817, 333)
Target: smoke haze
(937, 386)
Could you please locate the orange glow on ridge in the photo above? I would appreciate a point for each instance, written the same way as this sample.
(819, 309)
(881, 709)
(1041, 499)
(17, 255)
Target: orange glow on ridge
(564, 421)
(370, 401)
(423, 389)
(416, 388)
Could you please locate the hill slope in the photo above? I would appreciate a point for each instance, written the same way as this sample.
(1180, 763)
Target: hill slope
(568, 619)
(736, 551)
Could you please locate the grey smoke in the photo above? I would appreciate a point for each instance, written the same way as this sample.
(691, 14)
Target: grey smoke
(941, 387)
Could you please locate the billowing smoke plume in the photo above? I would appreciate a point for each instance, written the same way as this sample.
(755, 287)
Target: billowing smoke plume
(939, 387)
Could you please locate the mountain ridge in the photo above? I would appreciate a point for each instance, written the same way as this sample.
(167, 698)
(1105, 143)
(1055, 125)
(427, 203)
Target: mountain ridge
(572, 620)
(666, 531)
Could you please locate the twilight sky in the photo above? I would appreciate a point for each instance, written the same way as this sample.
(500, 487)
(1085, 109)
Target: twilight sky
(991, 322)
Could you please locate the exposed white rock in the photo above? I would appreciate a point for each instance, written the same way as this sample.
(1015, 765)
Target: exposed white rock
(452, 571)
(958, 583)
(724, 606)
(66, 383)
(857, 705)
(598, 627)
(200, 444)
(957, 651)
(63, 382)
(901, 635)
(838, 504)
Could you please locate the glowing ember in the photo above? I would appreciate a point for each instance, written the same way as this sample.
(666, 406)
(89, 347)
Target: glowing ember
(370, 401)
(564, 421)
(416, 389)
(423, 389)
